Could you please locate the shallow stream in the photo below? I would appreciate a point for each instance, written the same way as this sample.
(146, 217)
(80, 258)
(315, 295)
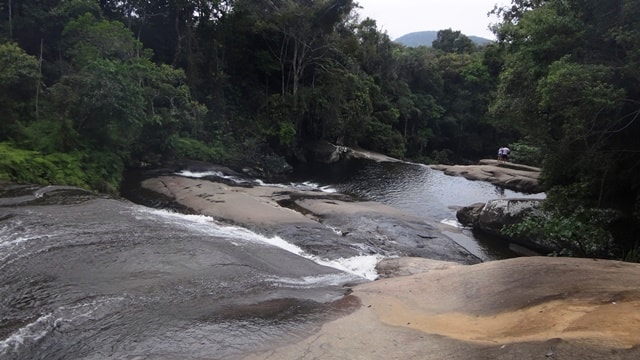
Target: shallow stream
(90, 277)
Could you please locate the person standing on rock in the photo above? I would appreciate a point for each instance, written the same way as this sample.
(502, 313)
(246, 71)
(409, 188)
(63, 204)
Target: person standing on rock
(500, 154)
(505, 153)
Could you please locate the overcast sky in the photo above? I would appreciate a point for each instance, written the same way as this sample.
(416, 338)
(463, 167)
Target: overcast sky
(399, 17)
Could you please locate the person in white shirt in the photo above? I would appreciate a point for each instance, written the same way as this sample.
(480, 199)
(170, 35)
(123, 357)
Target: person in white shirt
(505, 153)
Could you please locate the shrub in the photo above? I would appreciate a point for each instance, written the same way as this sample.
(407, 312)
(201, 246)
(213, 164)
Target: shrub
(27, 166)
(186, 148)
(522, 153)
(96, 170)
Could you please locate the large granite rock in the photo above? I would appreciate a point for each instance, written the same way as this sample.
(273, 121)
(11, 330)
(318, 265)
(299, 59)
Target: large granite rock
(329, 225)
(492, 216)
(511, 176)
(516, 309)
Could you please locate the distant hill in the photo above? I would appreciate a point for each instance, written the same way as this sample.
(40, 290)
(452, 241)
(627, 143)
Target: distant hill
(425, 38)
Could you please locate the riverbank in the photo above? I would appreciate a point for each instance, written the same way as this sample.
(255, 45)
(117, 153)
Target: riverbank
(524, 308)
(426, 308)
(508, 175)
(331, 225)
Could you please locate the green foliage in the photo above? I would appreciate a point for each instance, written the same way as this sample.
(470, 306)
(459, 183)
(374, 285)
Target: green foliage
(100, 171)
(382, 138)
(50, 136)
(581, 233)
(104, 170)
(187, 148)
(633, 255)
(286, 134)
(17, 66)
(524, 153)
(451, 41)
(91, 38)
(27, 166)
(441, 157)
(18, 81)
(570, 228)
(567, 83)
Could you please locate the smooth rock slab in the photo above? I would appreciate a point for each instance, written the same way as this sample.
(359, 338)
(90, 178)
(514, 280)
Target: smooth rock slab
(523, 308)
(511, 176)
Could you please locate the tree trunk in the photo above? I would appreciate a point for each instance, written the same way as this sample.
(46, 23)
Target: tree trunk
(39, 79)
(10, 22)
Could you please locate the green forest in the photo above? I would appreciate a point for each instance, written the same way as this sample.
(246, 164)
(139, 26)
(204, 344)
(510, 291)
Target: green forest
(90, 88)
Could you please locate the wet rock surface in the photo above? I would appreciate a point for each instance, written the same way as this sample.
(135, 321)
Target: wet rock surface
(329, 225)
(525, 308)
(82, 276)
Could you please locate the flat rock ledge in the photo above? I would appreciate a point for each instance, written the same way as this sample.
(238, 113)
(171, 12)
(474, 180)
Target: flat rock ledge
(512, 176)
(420, 308)
(523, 308)
(327, 224)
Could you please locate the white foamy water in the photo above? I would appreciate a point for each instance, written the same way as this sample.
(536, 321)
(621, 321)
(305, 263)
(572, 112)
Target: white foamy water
(312, 281)
(199, 175)
(14, 239)
(361, 266)
(306, 186)
(46, 324)
(451, 222)
(311, 186)
(28, 334)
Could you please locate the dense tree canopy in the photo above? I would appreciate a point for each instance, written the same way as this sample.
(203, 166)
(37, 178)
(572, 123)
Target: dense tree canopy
(571, 85)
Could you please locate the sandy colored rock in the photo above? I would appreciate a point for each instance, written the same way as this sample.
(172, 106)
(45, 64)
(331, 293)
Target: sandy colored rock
(508, 175)
(405, 266)
(524, 308)
(240, 205)
(257, 205)
(369, 155)
(330, 225)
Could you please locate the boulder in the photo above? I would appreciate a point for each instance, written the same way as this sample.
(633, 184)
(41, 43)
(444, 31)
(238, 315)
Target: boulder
(492, 216)
(501, 212)
(469, 215)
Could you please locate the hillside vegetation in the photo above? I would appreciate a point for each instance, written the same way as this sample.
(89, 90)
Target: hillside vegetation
(426, 38)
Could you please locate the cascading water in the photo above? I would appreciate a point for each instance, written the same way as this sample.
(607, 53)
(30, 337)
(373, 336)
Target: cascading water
(88, 277)
(105, 278)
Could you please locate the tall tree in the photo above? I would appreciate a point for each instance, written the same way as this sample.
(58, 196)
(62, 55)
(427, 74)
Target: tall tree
(18, 82)
(113, 89)
(451, 41)
(570, 83)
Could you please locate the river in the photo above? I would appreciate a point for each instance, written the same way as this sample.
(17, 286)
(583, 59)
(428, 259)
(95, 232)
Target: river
(418, 190)
(84, 276)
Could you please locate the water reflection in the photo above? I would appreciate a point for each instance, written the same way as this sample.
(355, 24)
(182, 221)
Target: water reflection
(418, 190)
